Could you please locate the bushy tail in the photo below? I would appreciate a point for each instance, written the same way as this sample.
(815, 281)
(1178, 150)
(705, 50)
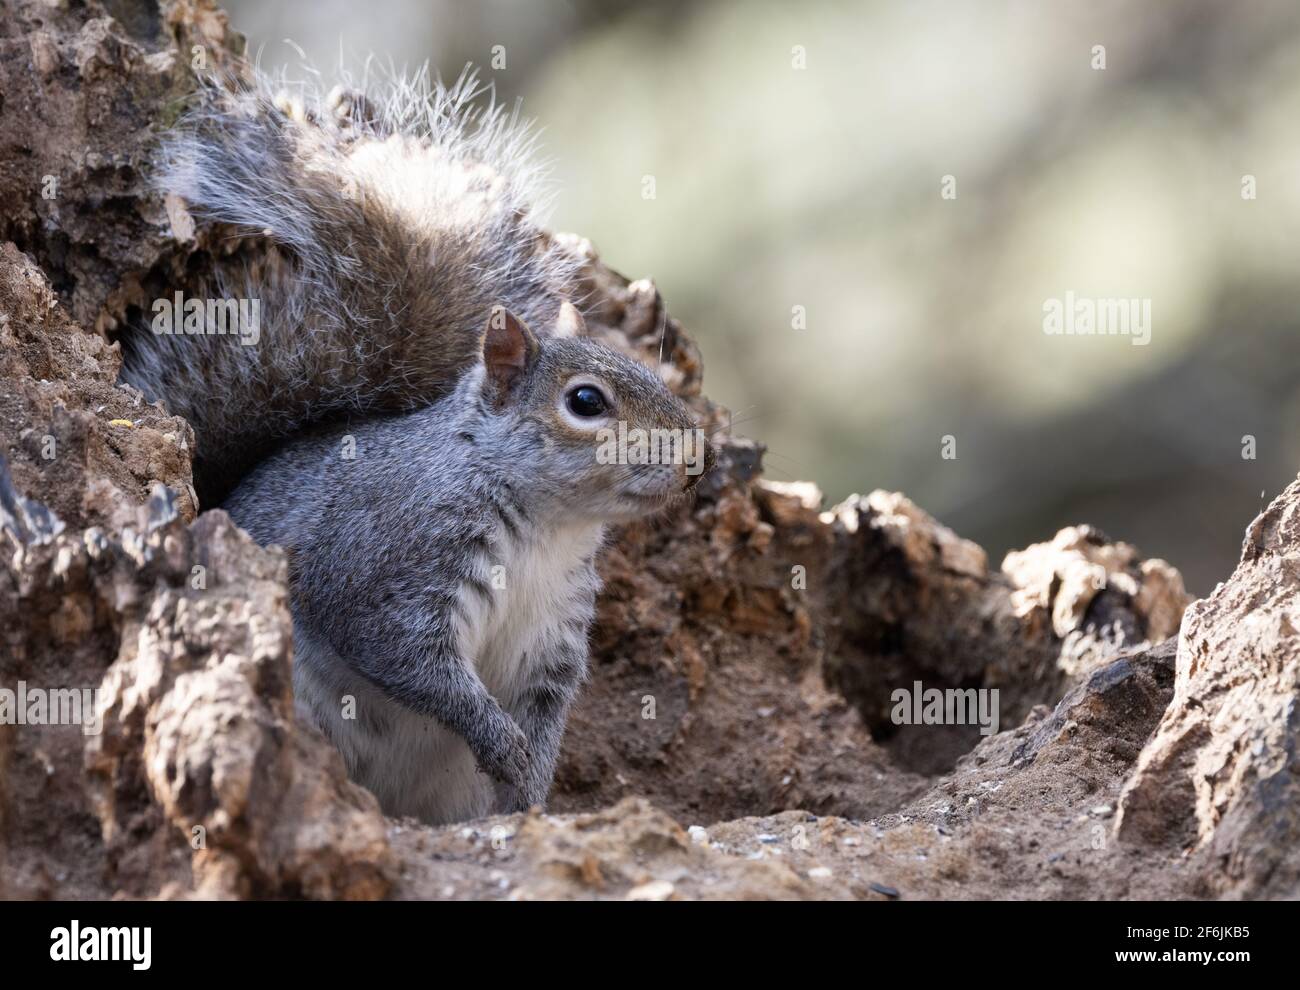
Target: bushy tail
(397, 221)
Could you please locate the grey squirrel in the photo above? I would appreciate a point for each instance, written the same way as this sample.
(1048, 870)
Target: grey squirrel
(418, 425)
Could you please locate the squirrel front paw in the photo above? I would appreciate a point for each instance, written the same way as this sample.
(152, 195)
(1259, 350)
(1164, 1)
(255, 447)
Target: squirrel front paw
(512, 799)
(506, 759)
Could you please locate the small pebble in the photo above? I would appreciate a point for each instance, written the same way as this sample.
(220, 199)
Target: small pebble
(880, 888)
(655, 890)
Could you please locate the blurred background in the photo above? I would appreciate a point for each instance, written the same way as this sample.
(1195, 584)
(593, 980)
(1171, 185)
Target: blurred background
(853, 312)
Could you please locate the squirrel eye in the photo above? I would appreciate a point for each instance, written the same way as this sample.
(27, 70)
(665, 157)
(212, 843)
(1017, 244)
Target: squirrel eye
(587, 400)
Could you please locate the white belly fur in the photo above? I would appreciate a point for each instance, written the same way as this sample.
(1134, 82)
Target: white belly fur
(531, 589)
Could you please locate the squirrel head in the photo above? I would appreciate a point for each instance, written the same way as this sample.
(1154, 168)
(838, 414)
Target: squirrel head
(604, 435)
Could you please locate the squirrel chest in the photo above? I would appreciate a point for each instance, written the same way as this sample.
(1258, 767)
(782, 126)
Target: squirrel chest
(541, 584)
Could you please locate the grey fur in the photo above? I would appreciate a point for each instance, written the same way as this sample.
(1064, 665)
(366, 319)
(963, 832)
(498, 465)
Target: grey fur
(443, 579)
(395, 600)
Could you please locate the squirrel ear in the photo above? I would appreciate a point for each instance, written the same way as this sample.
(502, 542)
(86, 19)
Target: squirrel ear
(569, 322)
(509, 349)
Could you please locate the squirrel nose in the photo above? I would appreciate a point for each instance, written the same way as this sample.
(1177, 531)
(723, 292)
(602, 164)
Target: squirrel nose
(693, 477)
